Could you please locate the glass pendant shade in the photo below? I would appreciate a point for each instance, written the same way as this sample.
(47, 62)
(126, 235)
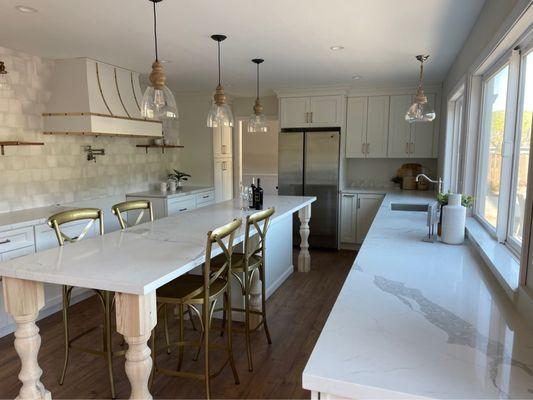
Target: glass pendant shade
(219, 115)
(257, 124)
(158, 104)
(420, 112)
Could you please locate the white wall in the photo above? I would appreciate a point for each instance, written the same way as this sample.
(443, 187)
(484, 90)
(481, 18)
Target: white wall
(58, 172)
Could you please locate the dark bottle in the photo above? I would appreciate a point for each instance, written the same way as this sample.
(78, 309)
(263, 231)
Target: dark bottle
(251, 201)
(258, 196)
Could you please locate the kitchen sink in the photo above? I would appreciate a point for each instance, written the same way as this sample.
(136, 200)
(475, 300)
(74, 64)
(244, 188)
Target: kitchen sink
(409, 207)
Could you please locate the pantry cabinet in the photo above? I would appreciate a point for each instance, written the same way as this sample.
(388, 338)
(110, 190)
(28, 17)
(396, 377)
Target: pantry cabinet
(357, 213)
(367, 127)
(223, 179)
(222, 142)
(407, 140)
(311, 111)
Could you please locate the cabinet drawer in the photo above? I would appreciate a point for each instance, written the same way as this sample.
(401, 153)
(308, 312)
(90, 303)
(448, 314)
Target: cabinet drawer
(204, 199)
(9, 255)
(181, 204)
(16, 239)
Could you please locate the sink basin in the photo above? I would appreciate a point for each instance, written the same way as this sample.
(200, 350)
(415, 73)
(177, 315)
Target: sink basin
(408, 207)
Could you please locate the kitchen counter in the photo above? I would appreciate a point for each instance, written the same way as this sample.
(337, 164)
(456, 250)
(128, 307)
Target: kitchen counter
(24, 218)
(184, 190)
(417, 319)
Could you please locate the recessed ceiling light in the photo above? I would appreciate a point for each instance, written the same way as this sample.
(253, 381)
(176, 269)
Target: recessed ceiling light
(165, 61)
(335, 48)
(26, 9)
(356, 77)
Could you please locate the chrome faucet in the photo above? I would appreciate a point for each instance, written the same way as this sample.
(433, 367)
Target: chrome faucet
(427, 178)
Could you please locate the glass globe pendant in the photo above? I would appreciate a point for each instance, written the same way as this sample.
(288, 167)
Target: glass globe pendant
(220, 114)
(420, 111)
(257, 122)
(4, 78)
(158, 101)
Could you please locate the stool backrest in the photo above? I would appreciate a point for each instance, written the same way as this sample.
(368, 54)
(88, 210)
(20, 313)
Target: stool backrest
(253, 247)
(79, 214)
(133, 205)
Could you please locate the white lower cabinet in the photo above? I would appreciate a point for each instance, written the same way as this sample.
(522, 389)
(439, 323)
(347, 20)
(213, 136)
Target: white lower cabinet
(357, 213)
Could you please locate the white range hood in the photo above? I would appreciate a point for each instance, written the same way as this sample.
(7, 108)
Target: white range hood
(90, 97)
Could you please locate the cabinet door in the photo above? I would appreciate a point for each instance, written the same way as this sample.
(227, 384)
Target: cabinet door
(356, 122)
(348, 218)
(377, 128)
(178, 205)
(422, 134)
(222, 141)
(223, 175)
(294, 112)
(325, 111)
(399, 128)
(367, 208)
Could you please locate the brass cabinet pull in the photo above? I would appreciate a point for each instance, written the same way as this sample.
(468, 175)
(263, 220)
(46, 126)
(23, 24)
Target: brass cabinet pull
(5, 241)
(307, 117)
(311, 117)
(412, 148)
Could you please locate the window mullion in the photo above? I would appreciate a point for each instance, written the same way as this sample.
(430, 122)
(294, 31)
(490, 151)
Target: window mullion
(504, 204)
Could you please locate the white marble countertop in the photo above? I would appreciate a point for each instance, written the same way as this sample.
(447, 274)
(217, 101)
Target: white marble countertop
(143, 257)
(29, 217)
(417, 319)
(183, 191)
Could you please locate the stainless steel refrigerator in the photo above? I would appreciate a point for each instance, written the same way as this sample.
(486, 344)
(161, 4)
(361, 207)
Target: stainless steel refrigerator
(308, 165)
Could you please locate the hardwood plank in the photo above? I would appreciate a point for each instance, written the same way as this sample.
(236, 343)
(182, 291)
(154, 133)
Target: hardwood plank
(297, 312)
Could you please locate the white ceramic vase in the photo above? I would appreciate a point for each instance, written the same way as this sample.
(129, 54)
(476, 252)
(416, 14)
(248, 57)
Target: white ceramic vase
(453, 220)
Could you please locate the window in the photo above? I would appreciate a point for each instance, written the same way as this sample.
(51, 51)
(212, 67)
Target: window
(504, 145)
(454, 154)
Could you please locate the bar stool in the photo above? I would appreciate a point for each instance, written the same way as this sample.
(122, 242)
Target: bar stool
(106, 298)
(243, 267)
(202, 290)
(129, 206)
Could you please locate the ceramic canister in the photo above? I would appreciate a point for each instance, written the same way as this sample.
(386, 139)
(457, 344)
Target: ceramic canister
(453, 220)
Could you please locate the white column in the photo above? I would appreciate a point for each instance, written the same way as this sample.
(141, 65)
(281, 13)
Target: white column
(136, 317)
(23, 300)
(304, 259)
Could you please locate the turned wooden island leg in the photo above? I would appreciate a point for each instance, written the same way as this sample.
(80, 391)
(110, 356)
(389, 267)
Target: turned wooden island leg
(136, 317)
(23, 300)
(304, 258)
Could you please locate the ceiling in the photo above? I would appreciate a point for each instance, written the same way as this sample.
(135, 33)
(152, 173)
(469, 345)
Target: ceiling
(380, 38)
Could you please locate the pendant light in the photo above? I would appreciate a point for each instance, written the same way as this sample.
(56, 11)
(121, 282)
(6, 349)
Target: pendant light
(158, 101)
(257, 122)
(420, 111)
(220, 114)
(4, 78)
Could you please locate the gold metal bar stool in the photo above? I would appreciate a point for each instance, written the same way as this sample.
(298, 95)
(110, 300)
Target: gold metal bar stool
(106, 298)
(132, 206)
(202, 290)
(244, 266)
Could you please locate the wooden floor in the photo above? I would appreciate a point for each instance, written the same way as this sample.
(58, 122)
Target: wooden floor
(297, 312)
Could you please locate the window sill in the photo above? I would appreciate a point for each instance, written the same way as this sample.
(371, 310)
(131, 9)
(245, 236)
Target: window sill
(499, 258)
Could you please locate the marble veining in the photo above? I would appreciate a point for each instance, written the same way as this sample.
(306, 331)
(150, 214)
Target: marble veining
(420, 320)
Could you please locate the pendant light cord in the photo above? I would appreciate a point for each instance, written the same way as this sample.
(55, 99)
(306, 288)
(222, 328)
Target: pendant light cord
(155, 34)
(421, 76)
(218, 43)
(258, 81)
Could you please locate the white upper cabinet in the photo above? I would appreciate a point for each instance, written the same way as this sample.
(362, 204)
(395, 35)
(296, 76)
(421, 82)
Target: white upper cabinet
(222, 143)
(410, 140)
(399, 128)
(356, 120)
(294, 112)
(311, 112)
(422, 135)
(377, 130)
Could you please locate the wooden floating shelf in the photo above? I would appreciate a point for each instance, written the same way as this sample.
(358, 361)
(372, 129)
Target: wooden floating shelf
(159, 146)
(18, 143)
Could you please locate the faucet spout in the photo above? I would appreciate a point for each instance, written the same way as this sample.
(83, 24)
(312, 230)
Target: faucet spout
(427, 178)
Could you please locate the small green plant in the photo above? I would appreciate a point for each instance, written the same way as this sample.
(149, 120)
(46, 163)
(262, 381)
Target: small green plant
(466, 200)
(178, 176)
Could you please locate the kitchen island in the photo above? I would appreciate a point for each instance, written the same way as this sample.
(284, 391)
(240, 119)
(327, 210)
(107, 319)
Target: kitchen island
(134, 263)
(417, 319)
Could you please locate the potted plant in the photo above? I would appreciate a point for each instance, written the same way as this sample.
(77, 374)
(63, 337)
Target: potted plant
(467, 201)
(178, 177)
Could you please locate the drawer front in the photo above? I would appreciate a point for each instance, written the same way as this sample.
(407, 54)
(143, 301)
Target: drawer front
(204, 199)
(16, 239)
(180, 205)
(9, 255)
